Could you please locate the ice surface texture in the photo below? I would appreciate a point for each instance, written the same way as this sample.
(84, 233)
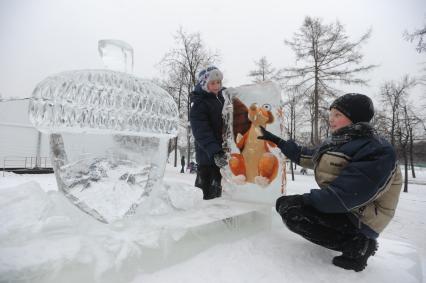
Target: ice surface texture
(102, 101)
(109, 133)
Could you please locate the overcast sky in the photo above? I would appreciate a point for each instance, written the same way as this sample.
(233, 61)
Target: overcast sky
(40, 38)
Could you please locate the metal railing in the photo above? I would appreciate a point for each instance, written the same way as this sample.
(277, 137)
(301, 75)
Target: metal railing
(25, 162)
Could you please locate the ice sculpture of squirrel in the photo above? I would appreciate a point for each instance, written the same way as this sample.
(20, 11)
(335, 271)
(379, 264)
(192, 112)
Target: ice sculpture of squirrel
(255, 163)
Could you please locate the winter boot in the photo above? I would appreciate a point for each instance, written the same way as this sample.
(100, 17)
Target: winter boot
(356, 253)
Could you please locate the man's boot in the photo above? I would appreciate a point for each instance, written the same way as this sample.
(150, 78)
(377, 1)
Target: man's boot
(356, 253)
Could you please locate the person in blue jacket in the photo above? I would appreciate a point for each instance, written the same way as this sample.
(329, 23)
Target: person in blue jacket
(205, 116)
(359, 180)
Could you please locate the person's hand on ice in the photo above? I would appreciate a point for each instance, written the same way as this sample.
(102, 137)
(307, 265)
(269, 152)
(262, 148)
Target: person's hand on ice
(268, 136)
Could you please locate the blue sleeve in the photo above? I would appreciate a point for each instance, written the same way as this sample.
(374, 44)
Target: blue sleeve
(294, 151)
(359, 183)
(202, 129)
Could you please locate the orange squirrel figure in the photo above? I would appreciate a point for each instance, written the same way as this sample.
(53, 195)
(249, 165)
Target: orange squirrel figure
(255, 163)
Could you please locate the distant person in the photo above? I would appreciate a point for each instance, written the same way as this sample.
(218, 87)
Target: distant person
(360, 183)
(205, 116)
(182, 163)
(192, 167)
(303, 171)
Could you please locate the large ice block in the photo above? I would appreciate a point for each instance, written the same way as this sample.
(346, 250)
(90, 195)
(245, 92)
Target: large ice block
(109, 133)
(256, 170)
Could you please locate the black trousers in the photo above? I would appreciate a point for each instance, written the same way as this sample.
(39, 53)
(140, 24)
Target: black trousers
(209, 180)
(332, 231)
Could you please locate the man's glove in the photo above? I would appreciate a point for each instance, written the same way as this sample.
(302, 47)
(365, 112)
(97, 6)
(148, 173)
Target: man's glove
(268, 136)
(285, 203)
(220, 159)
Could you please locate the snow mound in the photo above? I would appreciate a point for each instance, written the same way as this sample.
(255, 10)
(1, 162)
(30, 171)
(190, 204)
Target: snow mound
(281, 256)
(45, 238)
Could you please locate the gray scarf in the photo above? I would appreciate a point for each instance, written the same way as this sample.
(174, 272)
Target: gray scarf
(344, 135)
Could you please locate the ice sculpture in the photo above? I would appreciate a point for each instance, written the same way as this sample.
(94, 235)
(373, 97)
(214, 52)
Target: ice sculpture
(116, 55)
(108, 135)
(256, 170)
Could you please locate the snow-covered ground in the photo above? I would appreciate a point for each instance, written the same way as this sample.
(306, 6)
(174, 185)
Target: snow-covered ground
(274, 255)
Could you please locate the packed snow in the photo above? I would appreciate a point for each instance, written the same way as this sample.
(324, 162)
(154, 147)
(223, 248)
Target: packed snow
(44, 237)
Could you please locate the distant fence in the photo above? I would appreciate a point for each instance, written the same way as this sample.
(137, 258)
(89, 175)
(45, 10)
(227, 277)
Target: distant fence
(25, 162)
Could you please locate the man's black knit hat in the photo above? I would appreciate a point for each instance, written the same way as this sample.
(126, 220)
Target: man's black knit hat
(357, 107)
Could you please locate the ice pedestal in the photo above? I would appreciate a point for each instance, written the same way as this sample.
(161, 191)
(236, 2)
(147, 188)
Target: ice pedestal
(165, 240)
(169, 239)
(216, 221)
(46, 239)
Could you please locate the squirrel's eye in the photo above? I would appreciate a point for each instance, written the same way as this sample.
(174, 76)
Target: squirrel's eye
(267, 106)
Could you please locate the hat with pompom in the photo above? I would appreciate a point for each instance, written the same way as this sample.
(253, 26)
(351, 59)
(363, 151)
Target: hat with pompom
(207, 75)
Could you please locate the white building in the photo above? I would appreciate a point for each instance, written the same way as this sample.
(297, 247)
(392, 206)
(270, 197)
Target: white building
(20, 142)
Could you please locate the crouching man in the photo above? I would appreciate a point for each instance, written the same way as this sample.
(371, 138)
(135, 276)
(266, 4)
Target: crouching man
(360, 183)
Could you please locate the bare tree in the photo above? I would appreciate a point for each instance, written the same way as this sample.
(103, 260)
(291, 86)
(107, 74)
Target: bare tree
(380, 122)
(418, 36)
(322, 114)
(399, 121)
(174, 84)
(405, 134)
(413, 123)
(329, 57)
(182, 65)
(403, 137)
(291, 117)
(264, 71)
(324, 126)
(393, 96)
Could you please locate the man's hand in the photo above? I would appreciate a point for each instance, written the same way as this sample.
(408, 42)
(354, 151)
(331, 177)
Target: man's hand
(285, 203)
(268, 136)
(220, 159)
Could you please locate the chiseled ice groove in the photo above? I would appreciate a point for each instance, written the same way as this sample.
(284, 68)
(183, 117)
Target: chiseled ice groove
(102, 101)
